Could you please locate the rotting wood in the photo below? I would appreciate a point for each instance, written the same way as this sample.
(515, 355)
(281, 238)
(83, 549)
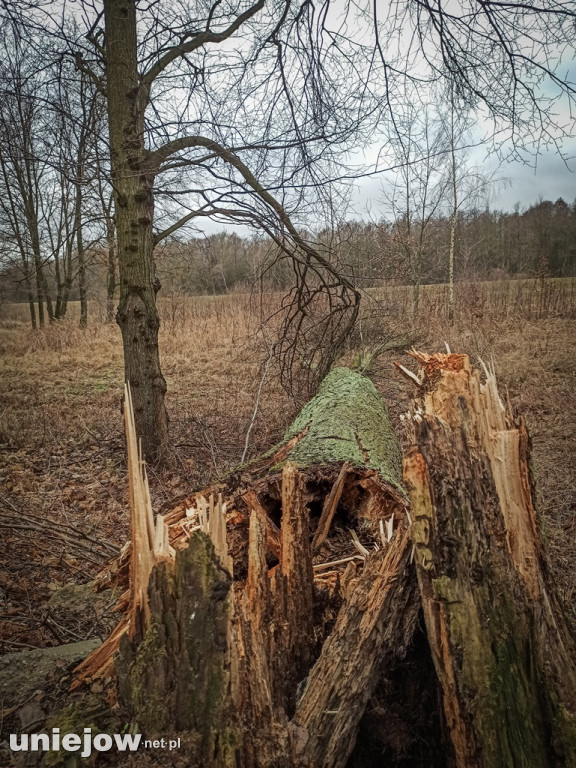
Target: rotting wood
(176, 674)
(502, 650)
(291, 652)
(293, 586)
(274, 617)
(265, 739)
(330, 508)
(379, 619)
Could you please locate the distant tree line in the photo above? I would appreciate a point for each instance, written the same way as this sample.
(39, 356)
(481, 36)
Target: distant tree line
(489, 245)
(540, 240)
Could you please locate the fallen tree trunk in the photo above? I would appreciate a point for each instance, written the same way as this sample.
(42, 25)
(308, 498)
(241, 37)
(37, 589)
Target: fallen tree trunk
(273, 620)
(504, 655)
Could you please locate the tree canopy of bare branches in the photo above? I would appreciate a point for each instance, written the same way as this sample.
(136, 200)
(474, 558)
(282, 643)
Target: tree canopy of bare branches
(248, 112)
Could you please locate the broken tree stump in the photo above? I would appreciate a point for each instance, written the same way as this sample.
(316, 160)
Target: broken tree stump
(298, 615)
(503, 653)
(315, 547)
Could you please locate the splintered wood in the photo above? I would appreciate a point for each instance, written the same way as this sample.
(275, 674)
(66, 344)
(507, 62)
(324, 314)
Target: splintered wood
(211, 517)
(503, 653)
(294, 574)
(149, 541)
(450, 385)
(221, 635)
(149, 545)
(330, 508)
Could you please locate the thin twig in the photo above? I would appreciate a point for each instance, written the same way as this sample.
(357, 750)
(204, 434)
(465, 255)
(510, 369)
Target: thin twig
(337, 562)
(256, 405)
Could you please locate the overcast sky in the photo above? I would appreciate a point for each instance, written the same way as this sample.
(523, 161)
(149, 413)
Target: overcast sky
(551, 179)
(546, 177)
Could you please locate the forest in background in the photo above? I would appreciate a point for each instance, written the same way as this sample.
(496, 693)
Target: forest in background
(539, 241)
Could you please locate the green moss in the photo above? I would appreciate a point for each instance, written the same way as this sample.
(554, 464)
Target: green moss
(347, 421)
(89, 711)
(177, 677)
(564, 735)
(498, 674)
(442, 587)
(149, 709)
(513, 728)
(206, 629)
(23, 672)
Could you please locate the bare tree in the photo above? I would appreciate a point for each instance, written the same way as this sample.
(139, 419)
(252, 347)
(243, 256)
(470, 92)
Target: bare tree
(418, 194)
(510, 61)
(209, 151)
(468, 185)
(16, 250)
(80, 113)
(24, 167)
(48, 120)
(242, 112)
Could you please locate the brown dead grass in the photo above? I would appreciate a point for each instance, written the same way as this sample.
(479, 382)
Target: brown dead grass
(63, 447)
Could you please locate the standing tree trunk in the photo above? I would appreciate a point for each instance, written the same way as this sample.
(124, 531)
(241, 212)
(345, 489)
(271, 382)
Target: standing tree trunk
(80, 250)
(134, 211)
(454, 215)
(504, 655)
(59, 285)
(42, 290)
(31, 213)
(30, 296)
(65, 277)
(68, 276)
(39, 299)
(111, 271)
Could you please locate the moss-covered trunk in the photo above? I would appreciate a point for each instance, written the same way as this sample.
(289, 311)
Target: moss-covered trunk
(503, 653)
(175, 672)
(347, 421)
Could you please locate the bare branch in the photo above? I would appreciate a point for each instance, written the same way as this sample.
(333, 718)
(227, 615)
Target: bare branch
(199, 40)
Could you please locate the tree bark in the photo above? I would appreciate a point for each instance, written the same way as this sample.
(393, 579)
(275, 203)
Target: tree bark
(43, 292)
(453, 218)
(30, 297)
(175, 670)
(310, 598)
(78, 228)
(111, 271)
(59, 285)
(504, 655)
(68, 278)
(133, 181)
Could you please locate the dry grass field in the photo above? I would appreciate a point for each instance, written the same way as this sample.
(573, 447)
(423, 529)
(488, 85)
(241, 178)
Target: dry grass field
(63, 490)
